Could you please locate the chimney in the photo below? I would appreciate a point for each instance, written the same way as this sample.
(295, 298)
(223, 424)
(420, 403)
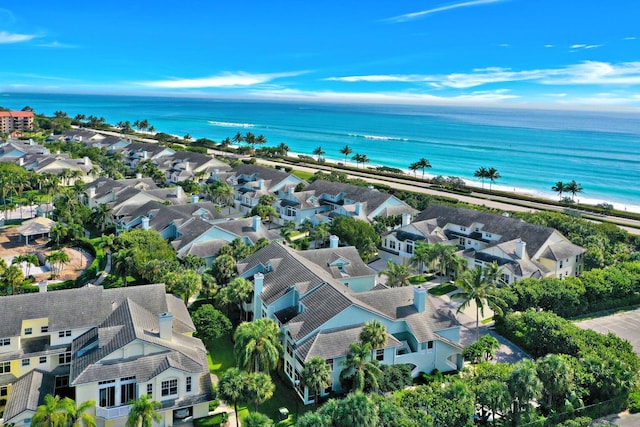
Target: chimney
(145, 155)
(139, 175)
(195, 198)
(256, 223)
(261, 184)
(145, 223)
(521, 249)
(92, 192)
(42, 286)
(258, 283)
(333, 241)
(290, 190)
(358, 208)
(165, 326)
(31, 141)
(21, 161)
(87, 162)
(406, 219)
(187, 166)
(420, 298)
(215, 172)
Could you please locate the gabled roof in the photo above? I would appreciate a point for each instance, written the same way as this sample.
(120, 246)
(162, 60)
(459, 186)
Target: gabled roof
(329, 258)
(322, 304)
(561, 250)
(39, 225)
(127, 323)
(28, 392)
(243, 227)
(262, 172)
(334, 343)
(509, 228)
(82, 307)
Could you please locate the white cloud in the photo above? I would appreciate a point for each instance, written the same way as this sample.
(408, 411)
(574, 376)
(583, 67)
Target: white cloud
(548, 45)
(221, 80)
(504, 45)
(6, 37)
(629, 38)
(57, 45)
(416, 15)
(579, 46)
(585, 73)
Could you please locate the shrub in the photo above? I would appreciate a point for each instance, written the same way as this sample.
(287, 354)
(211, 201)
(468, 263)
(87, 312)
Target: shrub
(395, 377)
(634, 401)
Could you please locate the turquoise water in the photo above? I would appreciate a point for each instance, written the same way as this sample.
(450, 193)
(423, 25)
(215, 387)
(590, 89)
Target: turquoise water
(532, 149)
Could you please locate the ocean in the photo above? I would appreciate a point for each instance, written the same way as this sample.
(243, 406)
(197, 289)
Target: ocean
(531, 149)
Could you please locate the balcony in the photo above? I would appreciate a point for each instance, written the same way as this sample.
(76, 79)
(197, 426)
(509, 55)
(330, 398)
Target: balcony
(115, 412)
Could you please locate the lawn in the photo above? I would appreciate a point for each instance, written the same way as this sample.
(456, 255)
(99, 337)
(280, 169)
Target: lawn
(420, 279)
(221, 358)
(302, 175)
(442, 289)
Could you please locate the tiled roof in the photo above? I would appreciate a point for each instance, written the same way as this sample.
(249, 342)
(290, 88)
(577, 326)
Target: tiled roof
(322, 304)
(562, 250)
(324, 257)
(39, 225)
(509, 228)
(28, 392)
(334, 343)
(262, 172)
(243, 227)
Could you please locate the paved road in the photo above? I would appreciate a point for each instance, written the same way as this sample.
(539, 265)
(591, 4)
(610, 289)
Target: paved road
(625, 325)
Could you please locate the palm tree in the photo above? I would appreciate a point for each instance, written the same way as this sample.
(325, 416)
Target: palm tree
(77, 416)
(481, 173)
(57, 260)
(559, 187)
(478, 287)
(257, 345)
(51, 413)
(101, 215)
(423, 255)
(364, 159)
(283, 149)
(316, 376)
(238, 138)
(574, 188)
(144, 412)
(492, 175)
(236, 292)
(357, 158)
(397, 274)
(232, 388)
(259, 388)
(557, 376)
(29, 259)
(189, 283)
(223, 194)
(346, 150)
(359, 365)
(414, 168)
(374, 333)
(13, 278)
(524, 386)
(256, 419)
(318, 151)
(423, 164)
(122, 263)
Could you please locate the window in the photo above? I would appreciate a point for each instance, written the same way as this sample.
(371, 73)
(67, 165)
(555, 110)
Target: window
(107, 396)
(289, 349)
(5, 367)
(577, 258)
(288, 369)
(380, 354)
(62, 381)
(127, 392)
(43, 359)
(560, 263)
(169, 387)
(392, 244)
(26, 362)
(64, 358)
(409, 248)
(505, 278)
(330, 363)
(461, 241)
(429, 345)
(62, 334)
(44, 329)
(188, 385)
(28, 331)
(150, 389)
(487, 234)
(4, 390)
(463, 228)
(5, 341)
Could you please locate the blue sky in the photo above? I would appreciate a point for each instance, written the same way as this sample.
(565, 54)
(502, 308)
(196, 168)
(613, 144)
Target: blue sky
(559, 53)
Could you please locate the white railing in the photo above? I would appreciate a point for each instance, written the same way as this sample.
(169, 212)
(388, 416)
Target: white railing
(110, 413)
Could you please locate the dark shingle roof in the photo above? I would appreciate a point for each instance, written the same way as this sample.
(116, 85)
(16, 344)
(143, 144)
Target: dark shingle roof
(28, 392)
(325, 257)
(261, 172)
(322, 304)
(509, 228)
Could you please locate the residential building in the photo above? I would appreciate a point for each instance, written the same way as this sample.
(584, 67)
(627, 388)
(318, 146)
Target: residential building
(16, 120)
(323, 200)
(110, 346)
(321, 300)
(522, 250)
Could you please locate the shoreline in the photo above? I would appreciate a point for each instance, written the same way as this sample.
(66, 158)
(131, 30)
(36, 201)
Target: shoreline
(472, 184)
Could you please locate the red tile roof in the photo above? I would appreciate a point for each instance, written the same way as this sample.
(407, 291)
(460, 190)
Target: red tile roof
(16, 114)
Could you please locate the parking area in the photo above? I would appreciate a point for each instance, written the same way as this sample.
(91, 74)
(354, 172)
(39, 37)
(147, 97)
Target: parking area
(625, 325)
